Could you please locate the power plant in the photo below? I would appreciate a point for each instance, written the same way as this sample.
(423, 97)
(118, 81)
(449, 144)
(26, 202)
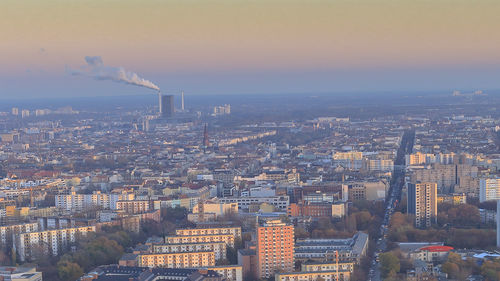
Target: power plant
(182, 101)
(166, 105)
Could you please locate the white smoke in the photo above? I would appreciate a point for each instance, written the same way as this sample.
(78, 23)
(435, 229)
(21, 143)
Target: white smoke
(96, 69)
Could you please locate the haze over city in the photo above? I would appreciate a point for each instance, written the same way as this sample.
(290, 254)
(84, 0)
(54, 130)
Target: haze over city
(251, 47)
(249, 140)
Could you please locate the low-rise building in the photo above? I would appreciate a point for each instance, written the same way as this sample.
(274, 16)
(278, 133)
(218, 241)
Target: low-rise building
(280, 202)
(327, 266)
(11, 273)
(116, 272)
(228, 272)
(314, 275)
(347, 250)
(454, 199)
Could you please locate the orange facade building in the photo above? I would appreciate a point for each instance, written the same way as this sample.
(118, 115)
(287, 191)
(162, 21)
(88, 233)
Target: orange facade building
(275, 248)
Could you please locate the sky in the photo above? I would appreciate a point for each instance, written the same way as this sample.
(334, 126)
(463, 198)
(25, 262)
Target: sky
(249, 47)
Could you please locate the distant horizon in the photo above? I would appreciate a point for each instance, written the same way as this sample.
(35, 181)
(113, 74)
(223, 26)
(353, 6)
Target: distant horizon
(441, 92)
(83, 48)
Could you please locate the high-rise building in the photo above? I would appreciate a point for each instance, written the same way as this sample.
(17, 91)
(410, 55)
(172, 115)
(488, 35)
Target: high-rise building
(206, 141)
(489, 189)
(166, 106)
(498, 224)
(15, 111)
(275, 248)
(422, 203)
(25, 113)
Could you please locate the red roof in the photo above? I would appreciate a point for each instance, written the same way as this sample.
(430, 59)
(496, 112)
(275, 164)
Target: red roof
(437, 248)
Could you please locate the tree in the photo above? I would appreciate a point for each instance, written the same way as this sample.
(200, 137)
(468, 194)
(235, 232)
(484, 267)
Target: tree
(301, 233)
(69, 270)
(451, 269)
(491, 270)
(389, 262)
(232, 255)
(176, 214)
(392, 276)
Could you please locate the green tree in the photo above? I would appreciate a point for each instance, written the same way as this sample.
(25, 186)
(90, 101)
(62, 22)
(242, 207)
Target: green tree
(301, 233)
(69, 271)
(451, 269)
(389, 262)
(232, 255)
(490, 270)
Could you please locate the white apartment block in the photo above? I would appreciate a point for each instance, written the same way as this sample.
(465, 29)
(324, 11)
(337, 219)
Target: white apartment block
(7, 232)
(383, 165)
(74, 202)
(489, 189)
(226, 238)
(236, 231)
(177, 260)
(51, 242)
(280, 202)
(219, 248)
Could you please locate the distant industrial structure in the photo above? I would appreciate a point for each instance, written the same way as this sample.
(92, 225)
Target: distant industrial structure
(182, 100)
(166, 105)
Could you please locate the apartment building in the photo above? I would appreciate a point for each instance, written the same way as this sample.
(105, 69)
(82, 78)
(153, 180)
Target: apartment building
(226, 238)
(78, 202)
(219, 248)
(228, 272)
(327, 250)
(489, 189)
(449, 178)
(244, 203)
(379, 165)
(422, 203)
(177, 260)
(7, 232)
(454, 198)
(275, 248)
(367, 190)
(315, 275)
(236, 231)
(327, 266)
(134, 206)
(51, 242)
(337, 210)
(215, 207)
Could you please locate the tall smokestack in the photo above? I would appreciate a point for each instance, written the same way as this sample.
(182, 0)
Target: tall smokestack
(182, 100)
(159, 102)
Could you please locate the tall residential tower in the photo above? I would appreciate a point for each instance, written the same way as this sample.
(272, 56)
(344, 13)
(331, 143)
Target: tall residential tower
(275, 248)
(422, 203)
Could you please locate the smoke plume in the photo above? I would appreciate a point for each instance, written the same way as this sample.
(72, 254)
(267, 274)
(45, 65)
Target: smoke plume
(96, 69)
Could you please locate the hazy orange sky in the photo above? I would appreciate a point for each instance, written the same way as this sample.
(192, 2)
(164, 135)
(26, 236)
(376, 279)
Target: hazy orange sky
(181, 43)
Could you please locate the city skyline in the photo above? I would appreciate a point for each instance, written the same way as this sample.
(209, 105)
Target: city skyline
(247, 47)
